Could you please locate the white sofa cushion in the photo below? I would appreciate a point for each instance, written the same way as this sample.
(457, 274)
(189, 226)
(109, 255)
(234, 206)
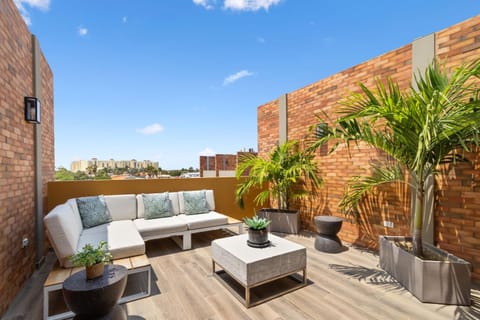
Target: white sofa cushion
(64, 228)
(122, 206)
(204, 220)
(122, 237)
(173, 196)
(208, 194)
(153, 228)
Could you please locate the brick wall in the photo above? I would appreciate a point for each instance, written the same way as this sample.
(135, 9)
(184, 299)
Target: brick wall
(323, 96)
(225, 162)
(457, 212)
(454, 223)
(17, 211)
(207, 163)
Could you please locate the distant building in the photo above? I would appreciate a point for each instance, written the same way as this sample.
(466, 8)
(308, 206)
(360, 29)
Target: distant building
(190, 175)
(82, 165)
(221, 165)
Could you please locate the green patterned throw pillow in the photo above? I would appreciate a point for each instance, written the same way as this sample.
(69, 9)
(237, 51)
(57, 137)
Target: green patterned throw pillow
(195, 202)
(157, 205)
(93, 211)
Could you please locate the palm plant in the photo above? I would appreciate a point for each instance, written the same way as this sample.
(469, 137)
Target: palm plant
(288, 169)
(431, 123)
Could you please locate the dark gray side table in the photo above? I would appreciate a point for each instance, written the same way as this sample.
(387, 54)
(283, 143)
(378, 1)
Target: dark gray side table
(327, 239)
(96, 298)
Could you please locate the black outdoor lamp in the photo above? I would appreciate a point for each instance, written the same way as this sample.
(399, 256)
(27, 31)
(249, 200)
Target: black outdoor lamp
(32, 109)
(321, 130)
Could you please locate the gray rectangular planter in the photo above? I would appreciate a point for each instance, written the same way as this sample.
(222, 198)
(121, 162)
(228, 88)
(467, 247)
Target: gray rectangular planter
(445, 282)
(286, 221)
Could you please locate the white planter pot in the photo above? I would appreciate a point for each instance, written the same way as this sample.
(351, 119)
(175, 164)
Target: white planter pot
(286, 221)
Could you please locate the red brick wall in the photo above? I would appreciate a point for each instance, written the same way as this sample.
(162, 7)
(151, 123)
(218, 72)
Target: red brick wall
(225, 162)
(17, 211)
(206, 165)
(323, 96)
(457, 212)
(267, 116)
(458, 43)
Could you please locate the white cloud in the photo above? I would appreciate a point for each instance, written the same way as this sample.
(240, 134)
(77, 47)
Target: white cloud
(124, 19)
(207, 152)
(207, 4)
(43, 5)
(151, 129)
(249, 5)
(239, 5)
(236, 76)
(82, 31)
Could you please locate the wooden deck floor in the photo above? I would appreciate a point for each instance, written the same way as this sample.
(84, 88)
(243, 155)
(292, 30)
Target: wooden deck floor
(347, 285)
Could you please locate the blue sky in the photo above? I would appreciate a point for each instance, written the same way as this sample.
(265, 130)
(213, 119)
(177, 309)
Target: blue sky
(168, 80)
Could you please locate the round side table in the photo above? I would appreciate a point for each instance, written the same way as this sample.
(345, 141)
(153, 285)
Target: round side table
(327, 239)
(96, 298)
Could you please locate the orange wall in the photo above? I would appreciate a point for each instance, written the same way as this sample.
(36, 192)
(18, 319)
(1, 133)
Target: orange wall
(223, 188)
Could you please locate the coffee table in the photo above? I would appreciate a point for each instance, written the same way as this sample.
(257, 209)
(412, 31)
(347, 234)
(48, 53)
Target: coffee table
(254, 267)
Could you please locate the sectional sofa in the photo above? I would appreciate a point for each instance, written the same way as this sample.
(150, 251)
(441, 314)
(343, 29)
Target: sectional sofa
(126, 221)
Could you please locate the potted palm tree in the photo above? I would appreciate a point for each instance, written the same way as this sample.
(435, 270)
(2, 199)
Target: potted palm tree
(288, 171)
(418, 130)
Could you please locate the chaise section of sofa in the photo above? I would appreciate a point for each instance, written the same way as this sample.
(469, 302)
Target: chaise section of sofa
(68, 236)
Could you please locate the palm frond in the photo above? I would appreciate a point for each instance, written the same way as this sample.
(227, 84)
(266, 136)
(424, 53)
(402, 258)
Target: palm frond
(359, 186)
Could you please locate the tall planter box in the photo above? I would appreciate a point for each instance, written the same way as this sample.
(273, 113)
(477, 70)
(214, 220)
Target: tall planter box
(445, 282)
(286, 221)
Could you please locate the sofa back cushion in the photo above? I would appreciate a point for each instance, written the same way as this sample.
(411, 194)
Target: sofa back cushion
(122, 206)
(93, 211)
(172, 196)
(64, 228)
(183, 202)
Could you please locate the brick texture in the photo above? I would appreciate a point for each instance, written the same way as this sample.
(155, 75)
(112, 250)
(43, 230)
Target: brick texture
(456, 211)
(17, 169)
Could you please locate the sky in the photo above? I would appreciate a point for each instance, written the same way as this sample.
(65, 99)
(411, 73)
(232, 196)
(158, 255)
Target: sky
(170, 80)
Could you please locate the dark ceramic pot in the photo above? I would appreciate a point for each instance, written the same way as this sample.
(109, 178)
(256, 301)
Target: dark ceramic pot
(257, 238)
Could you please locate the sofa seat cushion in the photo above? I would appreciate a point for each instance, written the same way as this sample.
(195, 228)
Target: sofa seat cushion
(122, 237)
(152, 228)
(204, 220)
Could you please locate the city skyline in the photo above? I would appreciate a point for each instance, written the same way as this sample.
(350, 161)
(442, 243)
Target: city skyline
(83, 165)
(172, 80)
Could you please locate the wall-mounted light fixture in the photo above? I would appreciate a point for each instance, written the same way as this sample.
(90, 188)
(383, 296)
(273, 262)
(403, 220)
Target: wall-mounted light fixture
(32, 109)
(321, 131)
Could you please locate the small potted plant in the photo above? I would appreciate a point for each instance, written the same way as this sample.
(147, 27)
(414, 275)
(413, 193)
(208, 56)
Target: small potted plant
(93, 259)
(257, 231)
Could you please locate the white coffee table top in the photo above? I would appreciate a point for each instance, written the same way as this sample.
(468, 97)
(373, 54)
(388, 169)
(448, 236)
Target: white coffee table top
(237, 246)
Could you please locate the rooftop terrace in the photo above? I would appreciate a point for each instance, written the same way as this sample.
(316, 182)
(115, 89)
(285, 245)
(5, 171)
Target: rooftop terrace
(347, 285)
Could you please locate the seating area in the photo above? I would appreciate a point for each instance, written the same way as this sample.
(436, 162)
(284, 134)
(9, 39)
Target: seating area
(126, 222)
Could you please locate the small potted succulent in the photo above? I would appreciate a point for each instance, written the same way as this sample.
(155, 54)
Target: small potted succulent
(93, 259)
(257, 231)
